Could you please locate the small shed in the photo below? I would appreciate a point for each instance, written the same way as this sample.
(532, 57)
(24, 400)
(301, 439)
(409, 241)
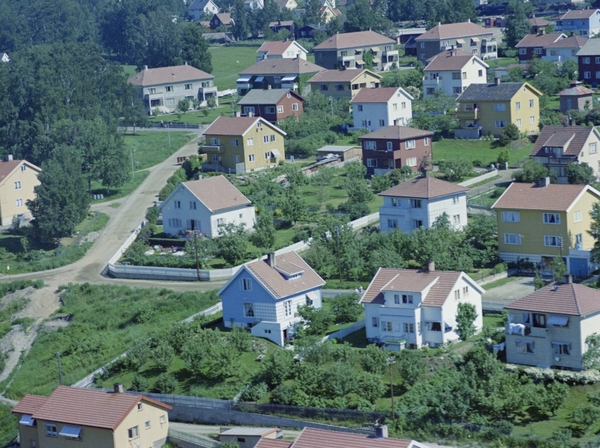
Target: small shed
(248, 437)
(575, 97)
(345, 152)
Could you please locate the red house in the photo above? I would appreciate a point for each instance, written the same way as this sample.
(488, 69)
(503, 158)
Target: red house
(534, 45)
(272, 104)
(395, 147)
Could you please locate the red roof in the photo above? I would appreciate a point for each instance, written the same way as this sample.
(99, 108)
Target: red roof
(380, 95)
(84, 407)
(164, 75)
(424, 188)
(29, 404)
(9, 166)
(274, 443)
(320, 438)
(560, 298)
(217, 193)
(554, 197)
(236, 126)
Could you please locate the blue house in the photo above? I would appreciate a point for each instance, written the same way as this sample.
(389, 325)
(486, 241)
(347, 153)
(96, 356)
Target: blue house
(579, 22)
(264, 296)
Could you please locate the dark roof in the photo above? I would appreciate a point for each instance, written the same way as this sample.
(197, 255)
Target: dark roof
(578, 14)
(283, 66)
(451, 60)
(352, 40)
(569, 42)
(576, 90)
(424, 188)
(536, 21)
(236, 125)
(560, 298)
(320, 438)
(164, 75)
(396, 132)
(590, 48)
(494, 92)
(92, 408)
(571, 138)
(554, 197)
(539, 40)
(341, 75)
(269, 96)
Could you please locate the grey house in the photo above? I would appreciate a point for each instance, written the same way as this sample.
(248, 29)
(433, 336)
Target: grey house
(281, 73)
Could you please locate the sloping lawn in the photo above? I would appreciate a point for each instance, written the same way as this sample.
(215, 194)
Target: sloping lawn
(149, 148)
(480, 150)
(228, 62)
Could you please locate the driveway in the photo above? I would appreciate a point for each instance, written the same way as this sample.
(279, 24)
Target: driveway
(503, 295)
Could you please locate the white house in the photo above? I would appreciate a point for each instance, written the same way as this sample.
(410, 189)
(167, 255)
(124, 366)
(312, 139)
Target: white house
(415, 308)
(275, 50)
(202, 8)
(264, 296)
(564, 49)
(374, 109)
(419, 202)
(452, 71)
(204, 205)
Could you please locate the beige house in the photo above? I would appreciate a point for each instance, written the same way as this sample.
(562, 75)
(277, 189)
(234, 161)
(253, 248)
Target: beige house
(548, 328)
(452, 71)
(18, 178)
(289, 49)
(91, 419)
(162, 88)
(343, 83)
(243, 144)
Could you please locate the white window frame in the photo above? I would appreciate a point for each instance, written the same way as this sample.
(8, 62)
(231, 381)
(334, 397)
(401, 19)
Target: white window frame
(561, 348)
(246, 284)
(411, 161)
(410, 144)
(551, 218)
(552, 240)
(511, 216)
(499, 107)
(250, 157)
(295, 107)
(512, 238)
(389, 146)
(577, 216)
(279, 109)
(250, 141)
(370, 144)
(133, 432)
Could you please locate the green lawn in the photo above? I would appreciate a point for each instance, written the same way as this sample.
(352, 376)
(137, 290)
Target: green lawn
(149, 148)
(198, 116)
(228, 62)
(479, 150)
(501, 62)
(120, 192)
(488, 198)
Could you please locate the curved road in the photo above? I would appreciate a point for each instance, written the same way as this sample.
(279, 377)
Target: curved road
(123, 221)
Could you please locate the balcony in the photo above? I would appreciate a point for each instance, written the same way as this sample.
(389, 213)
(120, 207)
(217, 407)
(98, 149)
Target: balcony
(390, 53)
(213, 149)
(467, 114)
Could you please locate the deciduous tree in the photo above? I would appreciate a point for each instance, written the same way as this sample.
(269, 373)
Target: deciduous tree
(465, 319)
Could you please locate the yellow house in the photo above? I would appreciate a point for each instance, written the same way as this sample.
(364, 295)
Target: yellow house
(343, 83)
(243, 144)
(485, 109)
(328, 13)
(91, 419)
(539, 222)
(18, 178)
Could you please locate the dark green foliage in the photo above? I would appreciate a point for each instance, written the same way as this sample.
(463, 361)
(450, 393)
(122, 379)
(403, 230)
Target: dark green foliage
(346, 307)
(380, 183)
(139, 384)
(532, 171)
(165, 383)
(317, 320)
(517, 25)
(465, 318)
(293, 205)
(255, 392)
(178, 334)
(138, 354)
(10, 426)
(233, 243)
(585, 416)
(276, 367)
(152, 215)
(374, 359)
(455, 170)
(580, 173)
(264, 235)
(411, 366)
(211, 356)
(163, 356)
(509, 134)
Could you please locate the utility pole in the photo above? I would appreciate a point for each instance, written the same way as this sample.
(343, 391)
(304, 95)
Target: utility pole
(59, 369)
(196, 248)
(132, 172)
(169, 132)
(337, 243)
(390, 362)
(331, 104)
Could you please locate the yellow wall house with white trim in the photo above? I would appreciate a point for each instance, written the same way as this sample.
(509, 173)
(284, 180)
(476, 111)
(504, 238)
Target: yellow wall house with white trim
(539, 222)
(485, 109)
(92, 419)
(243, 144)
(18, 178)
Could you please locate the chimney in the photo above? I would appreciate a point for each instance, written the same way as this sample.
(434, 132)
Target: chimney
(469, 20)
(497, 81)
(430, 266)
(271, 260)
(145, 67)
(269, 87)
(567, 278)
(541, 31)
(9, 157)
(543, 181)
(118, 388)
(381, 432)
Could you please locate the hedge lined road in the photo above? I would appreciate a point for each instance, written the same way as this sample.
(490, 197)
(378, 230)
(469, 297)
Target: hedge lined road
(123, 221)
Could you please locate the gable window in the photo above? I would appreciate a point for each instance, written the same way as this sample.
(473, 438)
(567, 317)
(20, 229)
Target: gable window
(465, 291)
(410, 144)
(370, 144)
(531, 103)
(273, 137)
(147, 424)
(426, 141)
(500, 107)
(247, 284)
(177, 204)
(593, 149)
(480, 73)
(551, 218)
(192, 205)
(279, 109)
(525, 347)
(18, 185)
(457, 294)
(250, 141)
(415, 203)
(23, 168)
(51, 429)
(295, 107)
(561, 348)
(577, 216)
(248, 309)
(132, 433)
(552, 240)
(512, 238)
(511, 216)
(140, 406)
(518, 105)
(407, 298)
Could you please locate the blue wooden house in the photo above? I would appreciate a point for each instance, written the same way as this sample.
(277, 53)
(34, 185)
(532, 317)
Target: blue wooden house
(263, 296)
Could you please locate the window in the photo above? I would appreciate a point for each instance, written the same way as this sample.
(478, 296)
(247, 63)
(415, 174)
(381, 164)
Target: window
(381, 122)
(23, 168)
(370, 144)
(417, 223)
(593, 149)
(259, 125)
(359, 107)
(192, 205)
(578, 241)
(519, 122)
(511, 216)
(169, 88)
(587, 75)
(51, 429)
(409, 328)
(551, 218)
(389, 146)
(287, 307)
(456, 219)
(415, 203)
(537, 50)
(188, 87)
(410, 144)
(597, 60)
(269, 110)
(392, 223)
(273, 137)
(500, 123)
(163, 419)
(250, 141)
(512, 238)
(177, 204)
(411, 161)
(455, 75)
(247, 284)
(465, 291)
(295, 107)
(395, 202)
(464, 75)
(525, 347)
(279, 109)
(339, 87)
(539, 320)
(220, 221)
(456, 90)
(265, 139)
(374, 321)
(531, 103)
(403, 105)
(133, 432)
(552, 240)
(435, 326)
(480, 73)
(267, 155)
(147, 424)
(323, 87)
(457, 294)
(522, 50)
(407, 298)
(250, 157)
(499, 107)
(248, 309)
(518, 105)
(422, 44)
(235, 142)
(19, 202)
(561, 348)
(532, 120)
(585, 60)
(577, 216)
(248, 110)
(426, 141)
(386, 326)
(397, 299)
(140, 406)
(18, 185)
(372, 163)
(152, 91)
(236, 158)
(455, 199)
(215, 157)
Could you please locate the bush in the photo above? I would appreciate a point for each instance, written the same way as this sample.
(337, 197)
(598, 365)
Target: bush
(255, 392)
(139, 384)
(165, 383)
(282, 394)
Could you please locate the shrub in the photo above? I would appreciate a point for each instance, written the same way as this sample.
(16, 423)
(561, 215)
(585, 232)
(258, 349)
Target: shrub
(165, 383)
(282, 394)
(255, 392)
(139, 384)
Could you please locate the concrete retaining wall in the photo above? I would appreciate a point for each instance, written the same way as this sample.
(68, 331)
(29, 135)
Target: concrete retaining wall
(476, 180)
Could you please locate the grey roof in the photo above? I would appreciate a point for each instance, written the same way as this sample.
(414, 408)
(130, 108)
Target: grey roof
(492, 92)
(336, 149)
(590, 48)
(269, 96)
(282, 66)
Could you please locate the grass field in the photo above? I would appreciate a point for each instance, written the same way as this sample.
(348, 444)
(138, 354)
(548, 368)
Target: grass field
(198, 116)
(228, 62)
(501, 62)
(480, 150)
(149, 148)
(120, 192)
